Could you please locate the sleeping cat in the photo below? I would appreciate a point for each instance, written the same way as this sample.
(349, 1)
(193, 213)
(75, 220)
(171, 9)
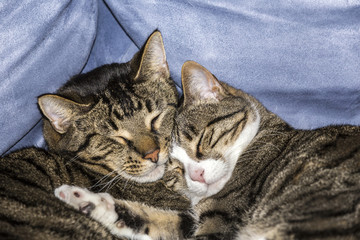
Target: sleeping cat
(248, 174)
(107, 130)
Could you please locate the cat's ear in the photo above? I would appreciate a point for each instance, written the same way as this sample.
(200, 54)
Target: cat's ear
(199, 84)
(60, 111)
(150, 62)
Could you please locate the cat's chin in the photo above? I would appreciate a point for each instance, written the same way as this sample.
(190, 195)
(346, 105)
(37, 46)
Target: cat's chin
(153, 175)
(199, 190)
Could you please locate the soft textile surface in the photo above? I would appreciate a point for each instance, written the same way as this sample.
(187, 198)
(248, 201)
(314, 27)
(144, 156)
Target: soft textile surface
(301, 58)
(42, 44)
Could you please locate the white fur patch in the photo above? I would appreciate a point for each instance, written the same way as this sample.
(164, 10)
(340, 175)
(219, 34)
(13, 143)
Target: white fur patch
(217, 172)
(103, 211)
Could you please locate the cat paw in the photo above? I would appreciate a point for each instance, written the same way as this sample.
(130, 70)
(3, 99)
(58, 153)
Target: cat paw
(99, 206)
(174, 176)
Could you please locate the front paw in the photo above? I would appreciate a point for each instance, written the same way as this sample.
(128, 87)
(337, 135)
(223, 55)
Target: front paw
(100, 206)
(173, 178)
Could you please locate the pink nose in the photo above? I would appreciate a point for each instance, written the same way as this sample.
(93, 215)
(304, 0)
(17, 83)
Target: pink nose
(197, 175)
(153, 156)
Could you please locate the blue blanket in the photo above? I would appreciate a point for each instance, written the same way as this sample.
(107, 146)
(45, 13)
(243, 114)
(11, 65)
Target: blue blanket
(301, 58)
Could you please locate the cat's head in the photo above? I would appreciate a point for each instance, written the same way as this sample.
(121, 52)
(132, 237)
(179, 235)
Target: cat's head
(213, 127)
(117, 118)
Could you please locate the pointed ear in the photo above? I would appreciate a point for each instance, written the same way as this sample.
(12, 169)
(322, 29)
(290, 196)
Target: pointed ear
(60, 111)
(152, 63)
(199, 84)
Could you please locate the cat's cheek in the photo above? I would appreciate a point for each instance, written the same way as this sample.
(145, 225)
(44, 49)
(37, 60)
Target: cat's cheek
(163, 158)
(152, 176)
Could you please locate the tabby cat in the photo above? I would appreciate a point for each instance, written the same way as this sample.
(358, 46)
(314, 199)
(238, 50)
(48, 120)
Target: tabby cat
(108, 129)
(249, 175)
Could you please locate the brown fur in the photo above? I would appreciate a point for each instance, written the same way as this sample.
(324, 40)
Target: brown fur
(286, 184)
(103, 129)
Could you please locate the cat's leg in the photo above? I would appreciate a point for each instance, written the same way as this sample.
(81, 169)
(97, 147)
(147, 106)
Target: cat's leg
(101, 207)
(128, 219)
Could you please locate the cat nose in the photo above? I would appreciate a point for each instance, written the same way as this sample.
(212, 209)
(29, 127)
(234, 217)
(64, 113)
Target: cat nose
(153, 155)
(197, 175)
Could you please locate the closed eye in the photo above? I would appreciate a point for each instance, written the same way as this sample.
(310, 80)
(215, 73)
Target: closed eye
(124, 141)
(153, 127)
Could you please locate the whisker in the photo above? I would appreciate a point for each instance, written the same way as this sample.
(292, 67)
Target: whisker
(98, 183)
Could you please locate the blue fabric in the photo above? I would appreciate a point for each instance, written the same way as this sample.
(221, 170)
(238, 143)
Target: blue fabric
(42, 44)
(300, 58)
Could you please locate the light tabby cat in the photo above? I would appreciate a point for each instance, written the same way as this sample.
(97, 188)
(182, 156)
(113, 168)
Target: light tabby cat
(248, 174)
(108, 129)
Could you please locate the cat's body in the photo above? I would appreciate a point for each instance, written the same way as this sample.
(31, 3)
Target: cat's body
(107, 130)
(250, 175)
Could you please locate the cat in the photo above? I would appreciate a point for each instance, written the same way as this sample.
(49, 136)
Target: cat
(108, 129)
(248, 174)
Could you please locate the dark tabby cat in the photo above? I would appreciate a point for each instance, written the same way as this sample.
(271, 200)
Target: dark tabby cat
(248, 174)
(108, 129)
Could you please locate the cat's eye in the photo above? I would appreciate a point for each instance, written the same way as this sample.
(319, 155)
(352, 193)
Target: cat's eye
(153, 126)
(124, 140)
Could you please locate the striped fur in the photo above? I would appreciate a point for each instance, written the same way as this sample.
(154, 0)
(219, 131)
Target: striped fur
(106, 130)
(285, 184)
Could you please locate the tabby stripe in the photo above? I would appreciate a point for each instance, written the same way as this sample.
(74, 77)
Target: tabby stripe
(193, 130)
(83, 160)
(112, 124)
(96, 164)
(148, 105)
(105, 146)
(288, 178)
(211, 135)
(34, 202)
(172, 105)
(301, 196)
(26, 182)
(216, 213)
(84, 145)
(349, 155)
(58, 167)
(57, 230)
(187, 224)
(103, 156)
(117, 115)
(285, 164)
(224, 117)
(29, 161)
(233, 128)
(131, 221)
(198, 153)
(70, 170)
(328, 196)
(12, 221)
(177, 133)
(301, 232)
(106, 100)
(242, 122)
(187, 135)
